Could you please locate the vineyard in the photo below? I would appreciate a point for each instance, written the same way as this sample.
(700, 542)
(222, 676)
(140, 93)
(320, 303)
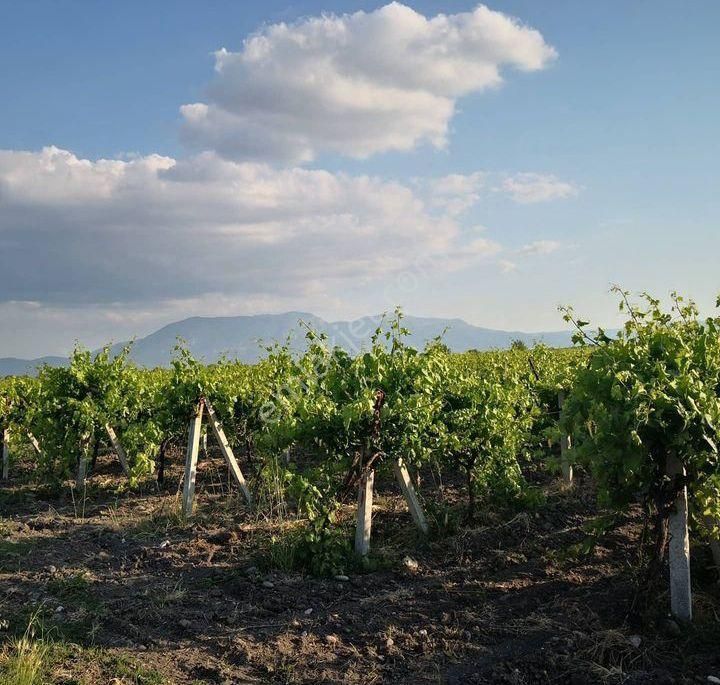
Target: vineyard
(388, 482)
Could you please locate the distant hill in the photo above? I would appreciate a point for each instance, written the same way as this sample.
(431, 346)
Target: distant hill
(11, 366)
(242, 337)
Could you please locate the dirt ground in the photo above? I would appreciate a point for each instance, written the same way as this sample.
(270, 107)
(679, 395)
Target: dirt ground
(122, 591)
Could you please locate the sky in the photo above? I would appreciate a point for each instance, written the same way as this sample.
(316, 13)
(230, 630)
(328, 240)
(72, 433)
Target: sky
(489, 162)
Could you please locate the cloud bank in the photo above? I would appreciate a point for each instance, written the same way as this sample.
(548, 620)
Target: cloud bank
(153, 227)
(356, 84)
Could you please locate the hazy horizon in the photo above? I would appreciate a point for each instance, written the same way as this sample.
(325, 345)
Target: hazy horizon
(101, 342)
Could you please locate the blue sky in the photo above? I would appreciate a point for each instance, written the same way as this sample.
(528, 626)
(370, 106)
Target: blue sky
(625, 115)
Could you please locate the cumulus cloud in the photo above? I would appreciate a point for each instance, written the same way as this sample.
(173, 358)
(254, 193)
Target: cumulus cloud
(527, 188)
(456, 192)
(540, 247)
(355, 84)
(75, 231)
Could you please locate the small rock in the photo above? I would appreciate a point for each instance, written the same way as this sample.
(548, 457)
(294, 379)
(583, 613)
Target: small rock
(52, 569)
(713, 679)
(635, 641)
(423, 633)
(268, 584)
(163, 544)
(389, 643)
(142, 648)
(251, 570)
(332, 639)
(308, 611)
(59, 609)
(221, 537)
(184, 623)
(342, 579)
(103, 555)
(671, 628)
(410, 564)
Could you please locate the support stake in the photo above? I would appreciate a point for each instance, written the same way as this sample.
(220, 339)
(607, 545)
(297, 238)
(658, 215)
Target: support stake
(408, 491)
(191, 458)
(6, 454)
(34, 443)
(565, 447)
(364, 514)
(119, 449)
(83, 464)
(679, 549)
(228, 453)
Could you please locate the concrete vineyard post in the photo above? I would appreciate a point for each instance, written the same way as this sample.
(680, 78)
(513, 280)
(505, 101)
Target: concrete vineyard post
(228, 453)
(679, 549)
(34, 443)
(5, 454)
(565, 446)
(364, 513)
(408, 491)
(119, 450)
(83, 463)
(193, 447)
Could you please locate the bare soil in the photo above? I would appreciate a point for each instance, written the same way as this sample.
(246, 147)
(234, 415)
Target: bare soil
(126, 592)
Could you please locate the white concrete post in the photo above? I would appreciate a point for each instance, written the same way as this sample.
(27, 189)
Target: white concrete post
(228, 453)
(364, 513)
(193, 447)
(119, 449)
(83, 463)
(6, 454)
(565, 447)
(34, 443)
(408, 491)
(679, 549)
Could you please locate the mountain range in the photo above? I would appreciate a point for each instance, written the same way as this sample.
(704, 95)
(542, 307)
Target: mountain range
(244, 338)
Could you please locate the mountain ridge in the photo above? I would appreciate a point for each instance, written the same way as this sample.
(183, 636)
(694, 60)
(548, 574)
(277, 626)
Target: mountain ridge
(242, 337)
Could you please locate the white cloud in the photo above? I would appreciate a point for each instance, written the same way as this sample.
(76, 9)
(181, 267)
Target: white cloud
(540, 247)
(355, 84)
(527, 188)
(456, 192)
(153, 229)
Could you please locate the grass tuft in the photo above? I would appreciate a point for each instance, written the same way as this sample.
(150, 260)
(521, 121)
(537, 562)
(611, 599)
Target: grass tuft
(23, 661)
